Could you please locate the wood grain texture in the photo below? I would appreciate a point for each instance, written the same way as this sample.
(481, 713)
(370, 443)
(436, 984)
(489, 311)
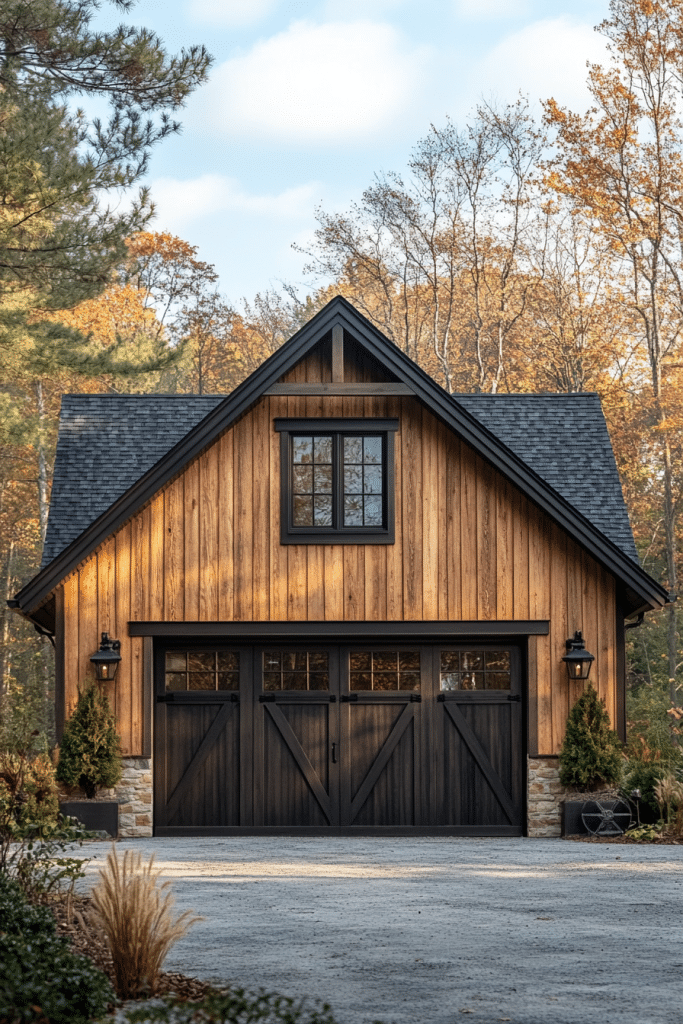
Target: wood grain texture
(468, 547)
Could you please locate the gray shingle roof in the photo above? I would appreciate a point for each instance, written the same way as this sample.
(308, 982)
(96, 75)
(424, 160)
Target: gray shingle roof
(107, 442)
(564, 439)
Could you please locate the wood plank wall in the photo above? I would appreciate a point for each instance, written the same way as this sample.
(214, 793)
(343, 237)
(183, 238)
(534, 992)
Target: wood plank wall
(468, 546)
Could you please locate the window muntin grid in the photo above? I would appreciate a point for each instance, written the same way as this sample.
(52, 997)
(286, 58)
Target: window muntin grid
(475, 670)
(363, 481)
(202, 670)
(384, 670)
(338, 481)
(296, 670)
(312, 494)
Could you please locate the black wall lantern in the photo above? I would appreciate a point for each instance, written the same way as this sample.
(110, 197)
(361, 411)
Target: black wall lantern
(106, 660)
(577, 659)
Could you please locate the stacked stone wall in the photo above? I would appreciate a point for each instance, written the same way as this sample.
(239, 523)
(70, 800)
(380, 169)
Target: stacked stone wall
(134, 796)
(545, 794)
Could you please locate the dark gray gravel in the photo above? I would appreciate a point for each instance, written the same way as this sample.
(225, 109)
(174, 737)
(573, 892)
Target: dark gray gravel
(435, 930)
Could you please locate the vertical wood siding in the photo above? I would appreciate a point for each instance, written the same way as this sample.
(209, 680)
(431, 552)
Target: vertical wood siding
(468, 546)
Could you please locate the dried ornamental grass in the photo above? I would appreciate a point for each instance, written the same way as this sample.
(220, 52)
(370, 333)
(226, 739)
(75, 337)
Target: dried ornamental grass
(135, 914)
(669, 796)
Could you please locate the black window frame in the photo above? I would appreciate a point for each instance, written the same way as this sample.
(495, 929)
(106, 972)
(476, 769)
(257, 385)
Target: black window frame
(338, 428)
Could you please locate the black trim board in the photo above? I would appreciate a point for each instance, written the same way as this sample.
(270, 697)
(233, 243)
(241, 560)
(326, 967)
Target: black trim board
(337, 830)
(339, 312)
(620, 642)
(322, 631)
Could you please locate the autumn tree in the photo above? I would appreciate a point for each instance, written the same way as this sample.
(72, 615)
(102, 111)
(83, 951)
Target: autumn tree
(438, 261)
(621, 165)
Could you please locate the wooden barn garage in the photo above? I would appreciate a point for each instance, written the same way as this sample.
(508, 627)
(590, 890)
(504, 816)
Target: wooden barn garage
(343, 596)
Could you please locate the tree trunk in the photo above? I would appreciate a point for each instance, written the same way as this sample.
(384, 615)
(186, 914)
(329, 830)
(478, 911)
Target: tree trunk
(5, 651)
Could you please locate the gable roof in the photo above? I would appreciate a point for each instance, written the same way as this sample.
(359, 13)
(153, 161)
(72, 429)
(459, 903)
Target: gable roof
(641, 591)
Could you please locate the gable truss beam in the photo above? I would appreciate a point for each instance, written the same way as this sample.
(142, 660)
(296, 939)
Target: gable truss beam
(340, 388)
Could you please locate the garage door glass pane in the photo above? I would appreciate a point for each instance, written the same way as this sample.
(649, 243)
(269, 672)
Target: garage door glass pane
(475, 670)
(384, 670)
(296, 670)
(202, 670)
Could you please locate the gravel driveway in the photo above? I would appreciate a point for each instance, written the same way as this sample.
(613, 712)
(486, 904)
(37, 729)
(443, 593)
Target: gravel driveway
(432, 931)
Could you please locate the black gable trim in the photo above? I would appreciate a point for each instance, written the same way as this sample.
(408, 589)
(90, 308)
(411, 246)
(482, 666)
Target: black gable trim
(339, 311)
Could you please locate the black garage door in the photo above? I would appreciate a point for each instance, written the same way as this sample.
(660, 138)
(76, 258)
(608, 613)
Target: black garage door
(374, 739)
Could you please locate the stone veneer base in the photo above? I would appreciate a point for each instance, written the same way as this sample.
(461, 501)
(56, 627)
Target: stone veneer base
(134, 796)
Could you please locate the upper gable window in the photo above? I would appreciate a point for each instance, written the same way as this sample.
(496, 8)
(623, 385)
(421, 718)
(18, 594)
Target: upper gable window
(337, 481)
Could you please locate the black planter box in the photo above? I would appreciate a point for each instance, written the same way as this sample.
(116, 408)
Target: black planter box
(95, 815)
(572, 823)
(572, 817)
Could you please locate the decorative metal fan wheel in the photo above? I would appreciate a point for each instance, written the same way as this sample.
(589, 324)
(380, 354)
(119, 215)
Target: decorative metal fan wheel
(606, 817)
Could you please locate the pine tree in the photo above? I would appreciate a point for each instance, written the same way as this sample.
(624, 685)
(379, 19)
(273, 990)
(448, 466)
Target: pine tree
(89, 754)
(57, 232)
(590, 757)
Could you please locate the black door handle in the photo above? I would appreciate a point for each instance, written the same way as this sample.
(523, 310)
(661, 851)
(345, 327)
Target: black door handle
(334, 753)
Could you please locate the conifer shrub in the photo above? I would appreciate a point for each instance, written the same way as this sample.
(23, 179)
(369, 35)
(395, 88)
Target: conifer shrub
(590, 757)
(90, 754)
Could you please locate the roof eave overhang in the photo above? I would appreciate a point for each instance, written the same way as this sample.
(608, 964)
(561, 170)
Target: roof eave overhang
(646, 592)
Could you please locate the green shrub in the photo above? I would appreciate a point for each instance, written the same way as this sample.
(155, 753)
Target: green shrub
(29, 809)
(644, 775)
(18, 917)
(40, 978)
(89, 754)
(590, 757)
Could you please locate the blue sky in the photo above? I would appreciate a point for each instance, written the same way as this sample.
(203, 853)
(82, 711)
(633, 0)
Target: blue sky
(308, 100)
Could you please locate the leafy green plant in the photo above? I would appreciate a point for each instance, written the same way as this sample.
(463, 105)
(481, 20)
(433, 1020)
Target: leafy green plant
(90, 755)
(235, 1006)
(590, 757)
(135, 913)
(645, 833)
(40, 978)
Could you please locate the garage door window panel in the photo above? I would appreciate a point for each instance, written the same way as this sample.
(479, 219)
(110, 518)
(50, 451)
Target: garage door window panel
(296, 670)
(202, 671)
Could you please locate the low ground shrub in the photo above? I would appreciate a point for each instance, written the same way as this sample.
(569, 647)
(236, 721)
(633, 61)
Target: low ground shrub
(233, 1007)
(40, 978)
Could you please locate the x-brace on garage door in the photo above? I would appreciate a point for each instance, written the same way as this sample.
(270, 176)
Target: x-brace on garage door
(373, 739)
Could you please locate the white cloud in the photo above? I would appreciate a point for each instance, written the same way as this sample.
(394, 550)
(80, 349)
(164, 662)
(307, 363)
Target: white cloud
(229, 12)
(182, 203)
(545, 59)
(349, 9)
(326, 83)
(485, 10)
